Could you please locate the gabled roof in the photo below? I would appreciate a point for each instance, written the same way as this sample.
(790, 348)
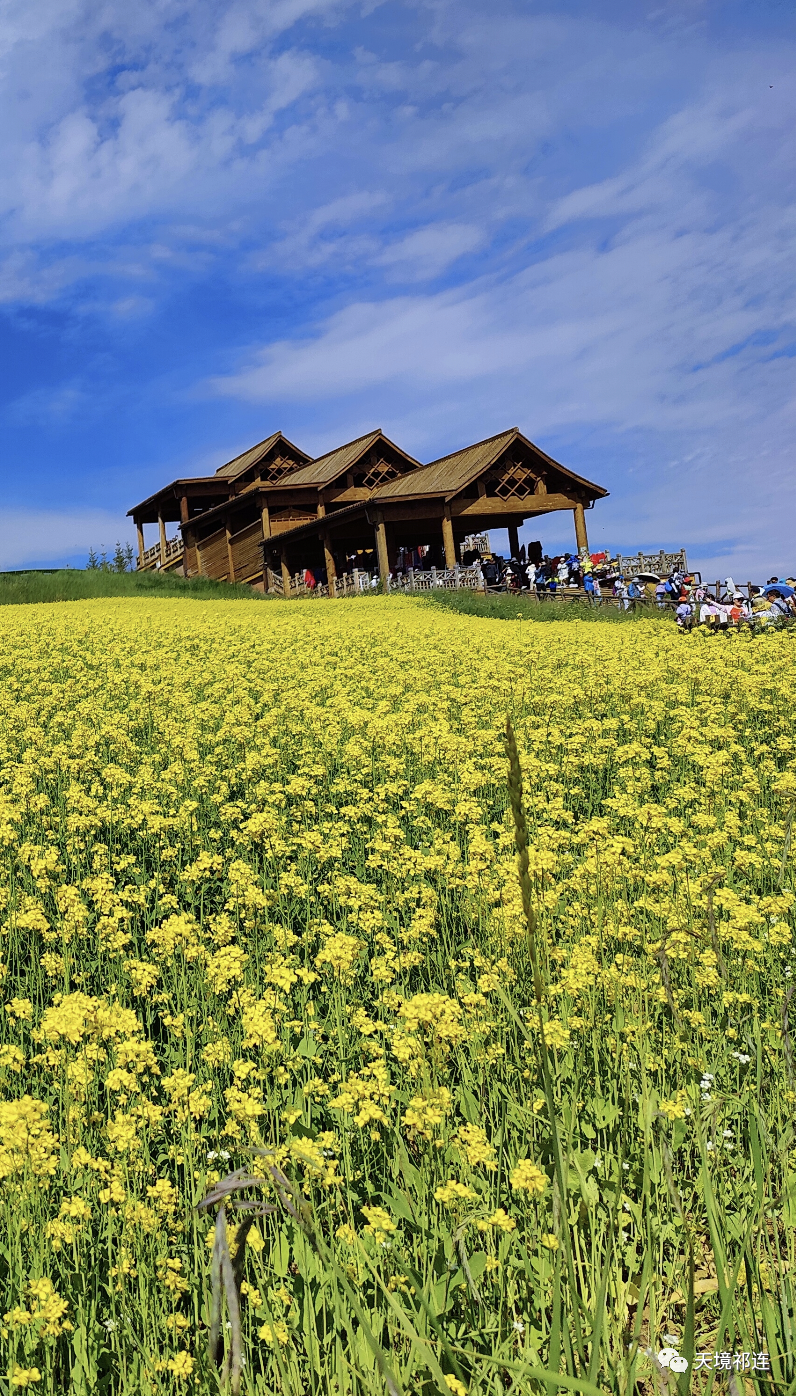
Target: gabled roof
(256, 453)
(175, 488)
(450, 474)
(325, 469)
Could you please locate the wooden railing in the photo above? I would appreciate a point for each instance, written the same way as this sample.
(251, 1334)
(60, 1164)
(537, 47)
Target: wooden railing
(661, 564)
(152, 558)
(450, 578)
(357, 582)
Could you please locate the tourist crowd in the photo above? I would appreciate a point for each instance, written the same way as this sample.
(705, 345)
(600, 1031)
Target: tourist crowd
(718, 608)
(772, 604)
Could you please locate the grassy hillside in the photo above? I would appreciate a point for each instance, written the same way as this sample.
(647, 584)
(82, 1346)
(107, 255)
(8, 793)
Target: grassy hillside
(514, 607)
(19, 588)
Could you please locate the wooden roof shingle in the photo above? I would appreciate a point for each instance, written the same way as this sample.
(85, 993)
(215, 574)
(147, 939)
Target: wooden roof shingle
(256, 453)
(324, 469)
(452, 473)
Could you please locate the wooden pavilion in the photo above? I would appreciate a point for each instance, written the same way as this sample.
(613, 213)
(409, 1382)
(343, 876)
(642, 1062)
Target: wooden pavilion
(273, 511)
(187, 501)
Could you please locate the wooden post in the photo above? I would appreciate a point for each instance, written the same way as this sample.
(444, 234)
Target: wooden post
(285, 572)
(162, 526)
(184, 516)
(140, 531)
(265, 520)
(581, 537)
(514, 540)
(331, 570)
(187, 542)
(230, 559)
(381, 550)
(447, 538)
(199, 567)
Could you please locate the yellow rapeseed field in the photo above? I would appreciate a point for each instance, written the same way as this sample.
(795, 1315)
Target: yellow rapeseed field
(260, 889)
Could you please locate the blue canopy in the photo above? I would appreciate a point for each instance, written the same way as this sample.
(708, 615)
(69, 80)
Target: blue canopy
(778, 589)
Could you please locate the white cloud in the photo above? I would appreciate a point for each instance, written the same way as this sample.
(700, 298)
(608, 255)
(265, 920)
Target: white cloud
(116, 113)
(41, 535)
(616, 203)
(425, 253)
(568, 334)
(673, 324)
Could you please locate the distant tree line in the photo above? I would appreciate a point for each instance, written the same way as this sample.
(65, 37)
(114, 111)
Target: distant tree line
(122, 560)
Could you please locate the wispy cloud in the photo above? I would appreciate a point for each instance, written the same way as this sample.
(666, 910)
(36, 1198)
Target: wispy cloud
(420, 214)
(46, 535)
(425, 253)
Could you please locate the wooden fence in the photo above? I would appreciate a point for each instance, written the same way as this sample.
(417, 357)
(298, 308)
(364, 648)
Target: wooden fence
(152, 558)
(358, 583)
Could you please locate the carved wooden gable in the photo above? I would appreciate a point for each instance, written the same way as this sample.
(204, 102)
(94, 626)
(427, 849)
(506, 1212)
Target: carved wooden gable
(512, 478)
(276, 468)
(375, 470)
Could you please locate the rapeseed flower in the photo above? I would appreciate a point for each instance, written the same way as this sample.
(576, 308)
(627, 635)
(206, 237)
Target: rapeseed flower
(258, 890)
(380, 1224)
(527, 1176)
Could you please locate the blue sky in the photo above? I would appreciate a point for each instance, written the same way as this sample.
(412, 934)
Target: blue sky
(442, 218)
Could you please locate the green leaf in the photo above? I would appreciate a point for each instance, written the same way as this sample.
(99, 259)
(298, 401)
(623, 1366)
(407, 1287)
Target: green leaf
(604, 1112)
(469, 1106)
(789, 1200)
(398, 1203)
(280, 1254)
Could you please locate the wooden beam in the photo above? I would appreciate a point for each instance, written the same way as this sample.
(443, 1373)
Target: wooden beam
(514, 540)
(532, 504)
(140, 531)
(185, 514)
(162, 527)
(381, 549)
(447, 538)
(581, 537)
(265, 520)
(355, 495)
(430, 511)
(285, 572)
(331, 570)
(230, 558)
